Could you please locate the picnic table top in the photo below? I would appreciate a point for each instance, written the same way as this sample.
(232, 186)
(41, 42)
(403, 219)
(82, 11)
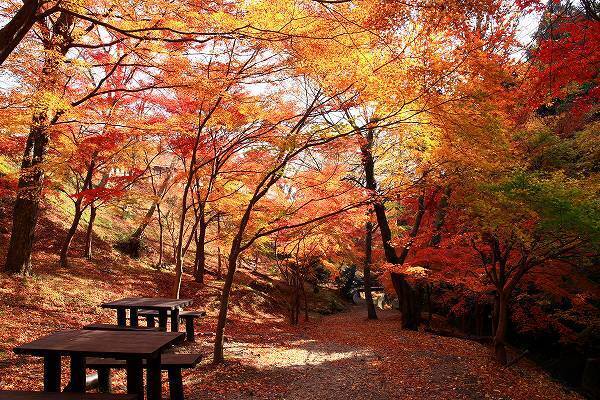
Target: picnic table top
(98, 343)
(149, 303)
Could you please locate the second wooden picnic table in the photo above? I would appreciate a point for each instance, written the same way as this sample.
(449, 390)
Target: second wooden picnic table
(164, 306)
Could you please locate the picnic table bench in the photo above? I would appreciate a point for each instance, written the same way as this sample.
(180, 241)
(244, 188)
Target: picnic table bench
(172, 363)
(18, 395)
(162, 305)
(131, 346)
(187, 316)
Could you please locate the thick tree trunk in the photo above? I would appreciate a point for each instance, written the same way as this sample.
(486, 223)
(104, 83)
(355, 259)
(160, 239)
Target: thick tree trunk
(13, 32)
(371, 313)
(26, 208)
(410, 298)
(89, 233)
(31, 179)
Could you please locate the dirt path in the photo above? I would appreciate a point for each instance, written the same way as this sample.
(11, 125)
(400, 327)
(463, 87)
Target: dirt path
(346, 356)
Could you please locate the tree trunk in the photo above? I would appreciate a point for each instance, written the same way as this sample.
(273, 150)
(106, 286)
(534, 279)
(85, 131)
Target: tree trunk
(13, 32)
(26, 208)
(371, 185)
(87, 183)
(139, 232)
(440, 216)
(64, 251)
(219, 261)
(89, 233)
(371, 313)
(31, 179)
(161, 245)
(500, 334)
(222, 319)
(200, 260)
(415, 229)
(410, 299)
(305, 302)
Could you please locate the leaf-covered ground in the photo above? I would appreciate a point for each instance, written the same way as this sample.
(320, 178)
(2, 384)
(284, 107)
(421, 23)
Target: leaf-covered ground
(343, 356)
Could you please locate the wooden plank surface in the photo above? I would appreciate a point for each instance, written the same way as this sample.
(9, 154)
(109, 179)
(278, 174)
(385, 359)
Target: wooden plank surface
(102, 343)
(150, 303)
(15, 395)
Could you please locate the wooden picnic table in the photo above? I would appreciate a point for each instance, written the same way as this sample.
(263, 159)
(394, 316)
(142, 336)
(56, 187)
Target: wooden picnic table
(132, 346)
(162, 305)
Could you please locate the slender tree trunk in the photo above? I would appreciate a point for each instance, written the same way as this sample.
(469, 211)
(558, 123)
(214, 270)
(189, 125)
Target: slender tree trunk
(64, 251)
(222, 319)
(79, 209)
(31, 179)
(139, 232)
(305, 301)
(371, 313)
(501, 329)
(440, 216)
(161, 246)
(89, 233)
(219, 260)
(378, 207)
(200, 259)
(415, 229)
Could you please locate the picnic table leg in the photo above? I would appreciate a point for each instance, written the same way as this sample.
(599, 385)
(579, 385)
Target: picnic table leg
(154, 387)
(175, 384)
(175, 320)
(162, 320)
(52, 372)
(135, 377)
(133, 317)
(150, 321)
(104, 380)
(189, 330)
(77, 374)
(121, 317)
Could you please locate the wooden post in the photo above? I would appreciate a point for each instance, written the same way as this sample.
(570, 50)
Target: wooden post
(189, 330)
(121, 317)
(175, 320)
(104, 380)
(175, 384)
(150, 322)
(162, 320)
(77, 373)
(52, 372)
(133, 317)
(154, 379)
(135, 377)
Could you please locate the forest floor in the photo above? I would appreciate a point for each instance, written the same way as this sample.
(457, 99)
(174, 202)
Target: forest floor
(340, 356)
(346, 356)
